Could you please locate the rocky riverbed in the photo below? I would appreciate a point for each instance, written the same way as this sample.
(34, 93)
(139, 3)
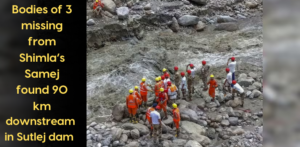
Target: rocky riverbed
(136, 39)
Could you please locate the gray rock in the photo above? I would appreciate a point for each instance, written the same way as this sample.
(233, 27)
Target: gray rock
(184, 117)
(200, 2)
(88, 132)
(192, 143)
(248, 93)
(202, 123)
(127, 132)
(115, 143)
(93, 124)
(229, 26)
(167, 143)
(90, 22)
(242, 76)
(225, 123)
(122, 12)
(222, 19)
(246, 82)
(188, 20)
(192, 114)
(211, 133)
(168, 121)
(109, 6)
(174, 26)
(230, 111)
(118, 112)
(251, 4)
(203, 140)
(135, 134)
(99, 145)
(142, 128)
(218, 118)
(194, 128)
(89, 143)
(238, 131)
(107, 141)
(253, 75)
(255, 94)
(233, 121)
(241, 16)
(200, 26)
(116, 134)
(123, 138)
(147, 6)
(179, 142)
(257, 85)
(89, 137)
(133, 144)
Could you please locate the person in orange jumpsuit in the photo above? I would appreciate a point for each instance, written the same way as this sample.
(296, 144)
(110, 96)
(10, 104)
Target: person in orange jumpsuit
(212, 88)
(176, 118)
(157, 86)
(144, 91)
(149, 110)
(132, 105)
(165, 72)
(138, 96)
(98, 3)
(162, 101)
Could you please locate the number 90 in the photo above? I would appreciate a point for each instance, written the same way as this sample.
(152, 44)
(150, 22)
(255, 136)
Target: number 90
(61, 91)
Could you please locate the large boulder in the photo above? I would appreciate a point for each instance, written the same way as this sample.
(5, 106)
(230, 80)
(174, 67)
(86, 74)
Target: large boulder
(255, 94)
(135, 134)
(123, 12)
(109, 6)
(168, 121)
(193, 128)
(229, 26)
(116, 133)
(246, 82)
(222, 19)
(192, 114)
(179, 142)
(123, 138)
(188, 20)
(118, 112)
(142, 128)
(192, 143)
(203, 140)
(199, 2)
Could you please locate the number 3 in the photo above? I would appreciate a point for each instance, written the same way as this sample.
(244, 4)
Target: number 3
(69, 8)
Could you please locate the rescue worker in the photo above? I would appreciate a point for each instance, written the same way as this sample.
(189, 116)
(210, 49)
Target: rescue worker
(237, 87)
(183, 85)
(176, 118)
(157, 87)
(228, 81)
(164, 72)
(190, 84)
(172, 92)
(193, 71)
(162, 101)
(212, 87)
(138, 96)
(232, 66)
(144, 91)
(177, 80)
(155, 120)
(162, 84)
(97, 8)
(132, 105)
(204, 71)
(167, 79)
(149, 110)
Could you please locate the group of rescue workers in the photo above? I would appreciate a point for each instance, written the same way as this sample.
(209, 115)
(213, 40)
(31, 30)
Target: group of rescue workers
(166, 93)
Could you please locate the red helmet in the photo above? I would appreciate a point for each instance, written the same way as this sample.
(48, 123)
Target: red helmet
(227, 69)
(203, 62)
(157, 107)
(232, 58)
(176, 68)
(191, 65)
(166, 90)
(167, 75)
(182, 73)
(189, 71)
(162, 77)
(233, 82)
(169, 83)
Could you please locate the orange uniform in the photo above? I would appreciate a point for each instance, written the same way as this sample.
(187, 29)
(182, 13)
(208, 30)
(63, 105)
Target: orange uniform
(163, 97)
(98, 4)
(212, 88)
(149, 110)
(156, 88)
(139, 99)
(132, 104)
(143, 91)
(176, 117)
